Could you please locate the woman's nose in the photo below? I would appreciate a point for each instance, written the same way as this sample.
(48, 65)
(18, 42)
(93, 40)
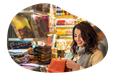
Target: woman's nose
(78, 38)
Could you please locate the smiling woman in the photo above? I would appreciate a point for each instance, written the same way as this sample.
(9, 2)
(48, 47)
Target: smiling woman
(84, 35)
(84, 52)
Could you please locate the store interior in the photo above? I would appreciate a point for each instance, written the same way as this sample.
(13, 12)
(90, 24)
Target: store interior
(39, 33)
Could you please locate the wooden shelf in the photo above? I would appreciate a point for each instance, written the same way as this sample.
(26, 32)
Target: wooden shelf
(65, 35)
(64, 16)
(51, 32)
(65, 25)
(39, 39)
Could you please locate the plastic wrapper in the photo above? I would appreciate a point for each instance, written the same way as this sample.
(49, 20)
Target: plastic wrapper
(39, 27)
(22, 27)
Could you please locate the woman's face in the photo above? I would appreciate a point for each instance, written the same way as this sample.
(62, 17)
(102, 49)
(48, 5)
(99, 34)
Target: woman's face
(77, 37)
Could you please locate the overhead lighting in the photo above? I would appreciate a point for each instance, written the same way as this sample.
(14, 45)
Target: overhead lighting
(95, 15)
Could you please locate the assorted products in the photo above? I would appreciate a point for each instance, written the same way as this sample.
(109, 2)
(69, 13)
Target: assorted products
(19, 45)
(44, 54)
(64, 32)
(63, 44)
(40, 26)
(65, 21)
(19, 56)
(46, 20)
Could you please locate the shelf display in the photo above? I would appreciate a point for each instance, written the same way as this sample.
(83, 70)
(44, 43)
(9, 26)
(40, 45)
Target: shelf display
(64, 31)
(19, 45)
(65, 21)
(51, 21)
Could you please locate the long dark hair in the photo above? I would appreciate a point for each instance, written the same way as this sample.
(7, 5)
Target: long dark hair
(88, 35)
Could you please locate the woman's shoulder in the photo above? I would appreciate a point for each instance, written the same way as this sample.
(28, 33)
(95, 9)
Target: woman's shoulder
(97, 52)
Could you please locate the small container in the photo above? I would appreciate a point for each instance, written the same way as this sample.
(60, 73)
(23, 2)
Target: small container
(31, 51)
(55, 55)
(42, 69)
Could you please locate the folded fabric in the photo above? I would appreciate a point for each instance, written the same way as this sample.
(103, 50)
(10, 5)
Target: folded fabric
(57, 66)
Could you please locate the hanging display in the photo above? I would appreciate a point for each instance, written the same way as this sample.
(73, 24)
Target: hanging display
(46, 20)
(21, 27)
(38, 26)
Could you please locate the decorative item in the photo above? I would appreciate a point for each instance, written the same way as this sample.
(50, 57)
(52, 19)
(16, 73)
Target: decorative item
(21, 27)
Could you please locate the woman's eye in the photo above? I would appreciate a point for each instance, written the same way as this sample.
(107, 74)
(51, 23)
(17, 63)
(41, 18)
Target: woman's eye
(75, 36)
(80, 36)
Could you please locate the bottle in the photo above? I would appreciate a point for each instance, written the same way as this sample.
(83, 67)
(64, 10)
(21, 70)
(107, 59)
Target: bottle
(60, 46)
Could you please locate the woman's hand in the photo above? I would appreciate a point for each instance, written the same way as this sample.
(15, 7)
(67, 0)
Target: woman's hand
(72, 65)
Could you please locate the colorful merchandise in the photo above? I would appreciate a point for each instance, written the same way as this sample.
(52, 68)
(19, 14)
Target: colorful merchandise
(70, 21)
(46, 20)
(57, 66)
(39, 28)
(61, 22)
(21, 27)
(44, 54)
(19, 45)
(64, 32)
(49, 40)
(31, 66)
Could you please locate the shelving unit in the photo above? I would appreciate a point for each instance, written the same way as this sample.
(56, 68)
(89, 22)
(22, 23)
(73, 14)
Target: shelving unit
(26, 39)
(65, 26)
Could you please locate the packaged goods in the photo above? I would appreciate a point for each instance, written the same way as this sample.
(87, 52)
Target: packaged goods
(19, 45)
(69, 21)
(19, 57)
(39, 28)
(22, 27)
(61, 21)
(46, 20)
(44, 54)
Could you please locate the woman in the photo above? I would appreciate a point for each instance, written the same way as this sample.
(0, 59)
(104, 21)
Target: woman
(84, 52)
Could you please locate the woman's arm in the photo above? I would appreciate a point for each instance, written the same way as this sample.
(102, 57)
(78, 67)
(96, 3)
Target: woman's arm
(72, 65)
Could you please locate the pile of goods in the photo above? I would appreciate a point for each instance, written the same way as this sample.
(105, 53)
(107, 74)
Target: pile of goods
(31, 54)
(19, 45)
(19, 57)
(65, 21)
(44, 54)
(64, 32)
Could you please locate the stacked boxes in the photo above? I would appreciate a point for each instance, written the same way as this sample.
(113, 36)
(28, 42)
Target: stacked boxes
(44, 54)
